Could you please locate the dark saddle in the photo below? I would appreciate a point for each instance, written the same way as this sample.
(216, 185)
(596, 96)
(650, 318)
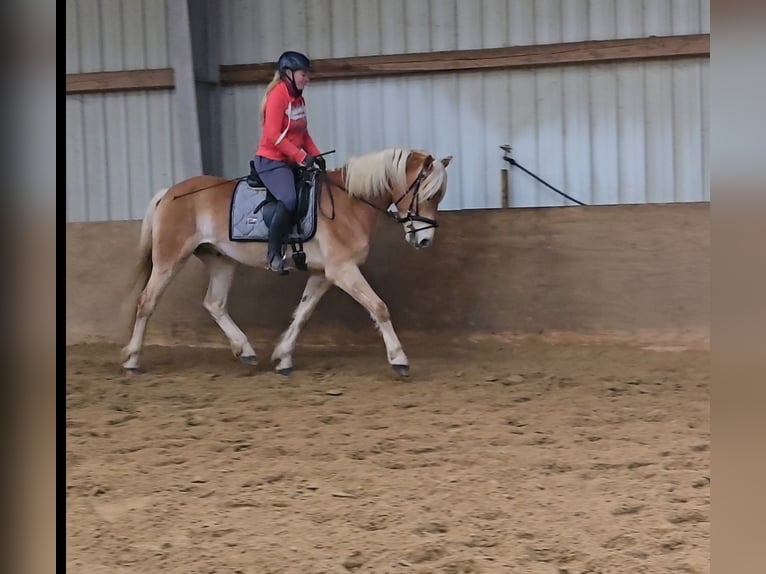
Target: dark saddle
(253, 206)
(254, 180)
(304, 183)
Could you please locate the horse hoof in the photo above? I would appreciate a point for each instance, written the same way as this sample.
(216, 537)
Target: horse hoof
(251, 360)
(133, 371)
(285, 372)
(402, 370)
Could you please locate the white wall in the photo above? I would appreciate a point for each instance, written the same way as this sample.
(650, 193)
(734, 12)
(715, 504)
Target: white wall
(617, 133)
(609, 133)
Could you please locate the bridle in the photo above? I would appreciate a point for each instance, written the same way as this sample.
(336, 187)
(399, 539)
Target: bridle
(412, 214)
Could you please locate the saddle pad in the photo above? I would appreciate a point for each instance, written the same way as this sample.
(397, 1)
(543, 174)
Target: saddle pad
(246, 220)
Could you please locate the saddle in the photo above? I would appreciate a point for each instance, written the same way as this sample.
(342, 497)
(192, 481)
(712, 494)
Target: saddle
(252, 208)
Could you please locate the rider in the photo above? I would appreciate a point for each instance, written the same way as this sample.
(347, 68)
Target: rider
(285, 142)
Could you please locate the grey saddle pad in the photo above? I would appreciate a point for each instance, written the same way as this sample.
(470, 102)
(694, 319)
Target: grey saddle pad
(246, 222)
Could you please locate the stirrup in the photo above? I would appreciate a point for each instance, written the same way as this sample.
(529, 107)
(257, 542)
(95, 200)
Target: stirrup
(299, 258)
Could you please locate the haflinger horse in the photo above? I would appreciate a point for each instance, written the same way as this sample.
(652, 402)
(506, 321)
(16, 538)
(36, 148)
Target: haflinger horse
(192, 218)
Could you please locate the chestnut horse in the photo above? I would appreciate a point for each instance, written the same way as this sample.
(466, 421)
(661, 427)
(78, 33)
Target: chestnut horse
(192, 218)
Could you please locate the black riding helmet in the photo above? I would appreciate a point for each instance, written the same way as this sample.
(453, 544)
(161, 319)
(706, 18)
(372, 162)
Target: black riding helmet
(293, 61)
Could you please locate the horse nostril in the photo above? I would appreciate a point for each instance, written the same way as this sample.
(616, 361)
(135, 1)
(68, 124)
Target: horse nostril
(424, 243)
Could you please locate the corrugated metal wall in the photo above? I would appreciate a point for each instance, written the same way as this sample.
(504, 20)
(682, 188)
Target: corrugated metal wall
(120, 148)
(258, 31)
(615, 133)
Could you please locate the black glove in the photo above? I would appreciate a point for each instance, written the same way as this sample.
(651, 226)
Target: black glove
(308, 161)
(320, 163)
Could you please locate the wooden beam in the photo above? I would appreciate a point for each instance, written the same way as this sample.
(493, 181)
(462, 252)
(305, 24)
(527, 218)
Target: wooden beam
(129, 80)
(570, 53)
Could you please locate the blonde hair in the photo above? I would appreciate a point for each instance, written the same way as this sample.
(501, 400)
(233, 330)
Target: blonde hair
(274, 81)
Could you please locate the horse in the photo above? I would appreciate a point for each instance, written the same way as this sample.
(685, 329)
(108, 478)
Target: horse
(192, 218)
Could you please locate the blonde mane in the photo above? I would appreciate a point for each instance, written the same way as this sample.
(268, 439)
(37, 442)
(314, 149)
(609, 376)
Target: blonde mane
(435, 182)
(383, 171)
(377, 173)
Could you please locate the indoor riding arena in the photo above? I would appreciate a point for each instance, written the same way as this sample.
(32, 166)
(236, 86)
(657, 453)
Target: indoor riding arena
(555, 418)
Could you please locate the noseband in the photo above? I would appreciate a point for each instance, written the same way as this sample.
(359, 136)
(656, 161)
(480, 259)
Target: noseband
(414, 203)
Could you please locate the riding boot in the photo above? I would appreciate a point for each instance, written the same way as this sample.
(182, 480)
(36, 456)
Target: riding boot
(279, 228)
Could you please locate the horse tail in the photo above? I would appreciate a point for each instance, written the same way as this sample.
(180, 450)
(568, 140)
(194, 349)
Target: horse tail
(143, 268)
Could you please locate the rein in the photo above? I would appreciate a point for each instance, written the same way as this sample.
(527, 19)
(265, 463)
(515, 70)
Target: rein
(323, 181)
(240, 178)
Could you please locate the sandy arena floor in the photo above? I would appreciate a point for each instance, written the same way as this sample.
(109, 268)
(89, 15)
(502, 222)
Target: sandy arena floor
(510, 457)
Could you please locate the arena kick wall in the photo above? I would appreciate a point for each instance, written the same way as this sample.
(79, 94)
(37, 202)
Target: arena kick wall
(631, 272)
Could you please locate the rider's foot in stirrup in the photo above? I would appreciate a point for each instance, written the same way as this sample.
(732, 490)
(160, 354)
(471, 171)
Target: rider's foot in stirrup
(278, 265)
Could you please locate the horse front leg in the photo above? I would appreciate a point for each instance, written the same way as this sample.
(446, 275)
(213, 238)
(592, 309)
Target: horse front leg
(350, 279)
(316, 286)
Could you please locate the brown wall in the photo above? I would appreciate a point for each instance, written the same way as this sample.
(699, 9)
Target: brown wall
(638, 272)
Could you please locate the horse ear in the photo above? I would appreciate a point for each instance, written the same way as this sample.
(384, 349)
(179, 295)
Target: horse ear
(445, 160)
(428, 162)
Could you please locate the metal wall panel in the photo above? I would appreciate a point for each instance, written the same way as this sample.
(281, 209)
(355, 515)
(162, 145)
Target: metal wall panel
(616, 133)
(260, 31)
(606, 134)
(120, 147)
(114, 35)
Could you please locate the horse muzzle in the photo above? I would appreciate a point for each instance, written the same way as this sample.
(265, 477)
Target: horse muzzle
(419, 238)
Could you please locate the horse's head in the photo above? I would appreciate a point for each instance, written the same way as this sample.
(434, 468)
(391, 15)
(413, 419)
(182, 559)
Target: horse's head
(417, 204)
(412, 181)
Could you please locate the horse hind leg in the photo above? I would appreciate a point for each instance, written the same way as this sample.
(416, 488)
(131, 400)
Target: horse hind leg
(147, 301)
(167, 259)
(221, 270)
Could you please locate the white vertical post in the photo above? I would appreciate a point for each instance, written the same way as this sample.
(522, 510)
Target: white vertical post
(182, 60)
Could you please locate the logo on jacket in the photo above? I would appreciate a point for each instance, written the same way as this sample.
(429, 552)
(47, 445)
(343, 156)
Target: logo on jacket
(295, 112)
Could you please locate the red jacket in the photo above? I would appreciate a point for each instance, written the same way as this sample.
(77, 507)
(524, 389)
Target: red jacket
(285, 135)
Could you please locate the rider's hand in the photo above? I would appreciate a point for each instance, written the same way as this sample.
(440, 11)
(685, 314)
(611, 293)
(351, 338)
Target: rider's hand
(308, 161)
(320, 163)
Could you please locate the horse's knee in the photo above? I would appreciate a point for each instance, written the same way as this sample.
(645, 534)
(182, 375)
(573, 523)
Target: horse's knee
(145, 305)
(216, 308)
(381, 313)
